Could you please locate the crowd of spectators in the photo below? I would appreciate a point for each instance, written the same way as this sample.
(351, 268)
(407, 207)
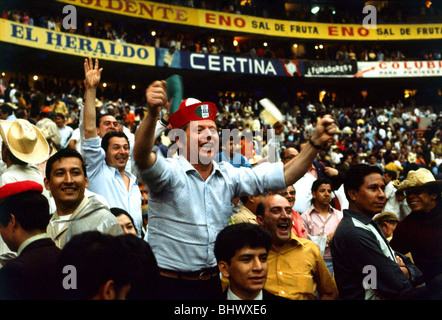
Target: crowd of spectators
(223, 44)
(407, 133)
(393, 137)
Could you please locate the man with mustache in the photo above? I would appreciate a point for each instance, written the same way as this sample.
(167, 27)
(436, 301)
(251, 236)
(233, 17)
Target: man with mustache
(190, 198)
(365, 266)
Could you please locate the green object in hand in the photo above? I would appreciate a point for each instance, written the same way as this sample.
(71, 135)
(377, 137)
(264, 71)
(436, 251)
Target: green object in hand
(174, 92)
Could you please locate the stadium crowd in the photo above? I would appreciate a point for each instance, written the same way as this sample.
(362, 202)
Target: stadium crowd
(392, 138)
(173, 198)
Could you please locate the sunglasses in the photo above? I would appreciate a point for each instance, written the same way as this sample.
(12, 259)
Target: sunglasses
(285, 193)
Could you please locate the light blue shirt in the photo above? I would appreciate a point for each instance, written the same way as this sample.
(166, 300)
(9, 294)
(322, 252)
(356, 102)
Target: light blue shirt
(108, 182)
(238, 160)
(186, 213)
(65, 133)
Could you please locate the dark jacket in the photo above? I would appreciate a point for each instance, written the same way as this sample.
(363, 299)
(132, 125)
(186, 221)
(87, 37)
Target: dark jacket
(31, 275)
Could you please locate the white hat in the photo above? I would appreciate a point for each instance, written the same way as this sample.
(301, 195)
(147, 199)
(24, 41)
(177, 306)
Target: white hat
(24, 140)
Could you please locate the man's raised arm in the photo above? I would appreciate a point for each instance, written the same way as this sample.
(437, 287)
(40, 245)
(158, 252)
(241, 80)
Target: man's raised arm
(297, 167)
(92, 76)
(156, 97)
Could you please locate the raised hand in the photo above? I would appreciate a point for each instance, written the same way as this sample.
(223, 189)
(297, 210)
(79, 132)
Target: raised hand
(92, 74)
(324, 131)
(156, 97)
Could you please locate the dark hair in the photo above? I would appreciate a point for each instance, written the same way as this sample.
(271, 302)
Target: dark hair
(30, 209)
(354, 177)
(237, 236)
(100, 115)
(6, 109)
(11, 156)
(244, 199)
(317, 183)
(320, 181)
(20, 113)
(391, 174)
(64, 153)
(97, 258)
(61, 115)
(118, 212)
(110, 135)
(142, 267)
(260, 210)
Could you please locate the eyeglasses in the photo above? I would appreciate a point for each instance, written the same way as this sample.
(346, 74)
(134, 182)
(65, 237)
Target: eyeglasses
(415, 191)
(285, 193)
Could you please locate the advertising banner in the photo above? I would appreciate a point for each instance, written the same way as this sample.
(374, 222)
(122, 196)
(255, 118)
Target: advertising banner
(69, 43)
(329, 68)
(219, 63)
(249, 24)
(393, 69)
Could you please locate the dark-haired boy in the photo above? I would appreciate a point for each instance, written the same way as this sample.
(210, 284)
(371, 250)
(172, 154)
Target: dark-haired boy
(241, 252)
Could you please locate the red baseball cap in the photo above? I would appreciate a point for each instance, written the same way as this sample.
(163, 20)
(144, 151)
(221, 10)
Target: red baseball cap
(192, 110)
(12, 188)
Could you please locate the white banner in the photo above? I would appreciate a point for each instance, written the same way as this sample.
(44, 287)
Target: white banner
(388, 69)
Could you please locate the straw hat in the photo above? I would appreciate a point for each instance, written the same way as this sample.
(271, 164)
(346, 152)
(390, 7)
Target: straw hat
(24, 140)
(417, 178)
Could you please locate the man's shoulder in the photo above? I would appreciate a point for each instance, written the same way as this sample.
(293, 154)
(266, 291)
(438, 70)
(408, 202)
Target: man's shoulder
(270, 296)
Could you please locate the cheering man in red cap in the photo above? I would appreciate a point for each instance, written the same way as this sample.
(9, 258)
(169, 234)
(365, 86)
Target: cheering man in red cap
(190, 198)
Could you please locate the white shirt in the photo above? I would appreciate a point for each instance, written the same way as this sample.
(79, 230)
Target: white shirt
(303, 189)
(232, 296)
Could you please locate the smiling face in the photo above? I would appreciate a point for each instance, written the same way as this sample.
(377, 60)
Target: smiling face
(370, 198)
(419, 199)
(117, 153)
(202, 142)
(247, 271)
(289, 193)
(277, 219)
(67, 183)
(126, 224)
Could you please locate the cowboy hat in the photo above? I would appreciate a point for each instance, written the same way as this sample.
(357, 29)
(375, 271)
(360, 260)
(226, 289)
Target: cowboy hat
(24, 140)
(417, 178)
